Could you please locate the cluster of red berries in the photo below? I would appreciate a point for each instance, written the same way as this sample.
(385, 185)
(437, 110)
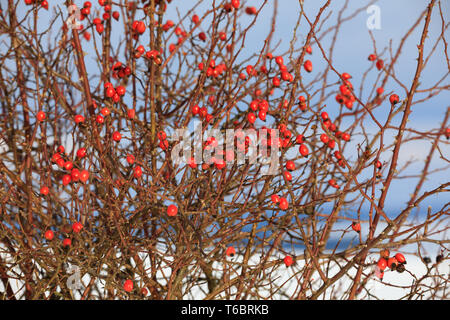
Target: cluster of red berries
(234, 4)
(302, 103)
(258, 105)
(346, 97)
(396, 262)
(104, 112)
(114, 93)
(201, 112)
(166, 26)
(153, 55)
(163, 143)
(285, 75)
(44, 3)
(213, 70)
(138, 28)
(119, 70)
(97, 21)
(182, 35)
(282, 202)
(67, 165)
(379, 64)
(67, 242)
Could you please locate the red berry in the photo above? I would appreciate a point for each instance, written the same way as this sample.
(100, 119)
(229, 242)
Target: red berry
(164, 144)
(378, 164)
(276, 82)
(131, 113)
(44, 190)
(262, 115)
(66, 179)
(279, 60)
(346, 136)
(130, 158)
(84, 176)
(372, 57)
(324, 138)
(79, 118)
(230, 251)
(110, 92)
(87, 35)
(331, 144)
(400, 258)
(116, 136)
(250, 10)
(140, 27)
(99, 119)
(192, 163)
(202, 36)
(68, 165)
(288, 175)
(288, 261)
(105, 111)
(137, 172)
(76, 227)
(172, 210)
(99, 27)
(235, 3)
(290, 165)
(392, 263)
(382, 264)
(346, 76)
(128, 286)
(49, 235)
(195, 109)
(75, 174)
(308, 65)
(162, 135)
(121, 90)
(251, 117)
(195, 19)
(333, 183)
(380, 64)
(283, 204)
(324, 116)
(275, 198)
(40, 116)
(303, 150)
(67, 242)
(356, 226)
(393, 99)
